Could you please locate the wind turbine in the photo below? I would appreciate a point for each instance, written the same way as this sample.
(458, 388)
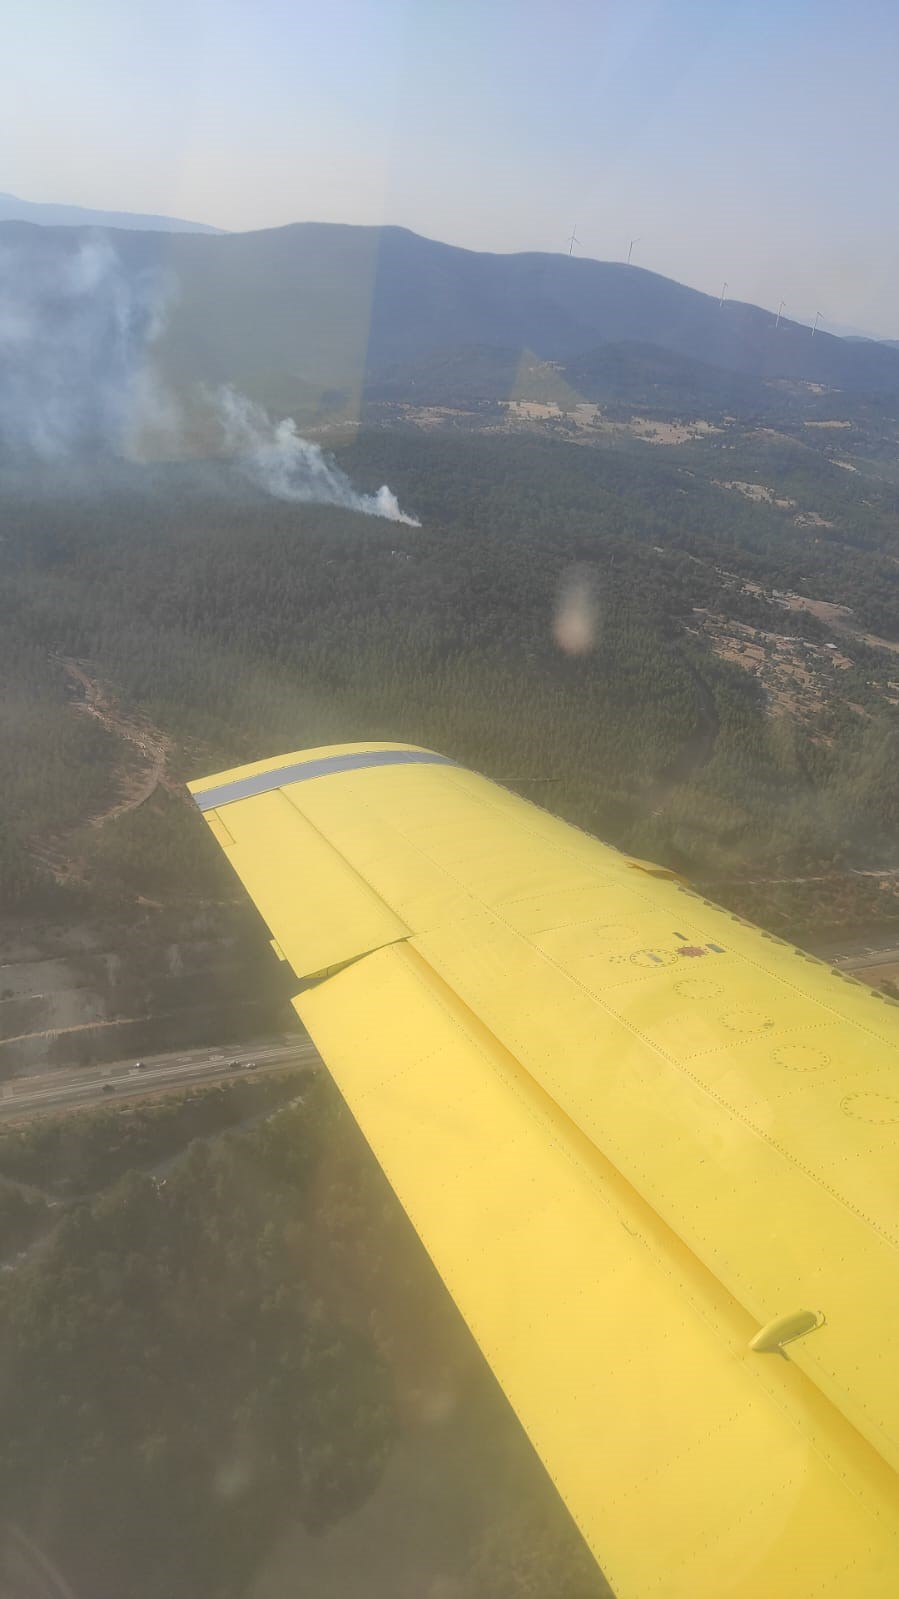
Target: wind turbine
(573, 240)
(815, 324)
(723, 293)
(630, 248)
(779, 314)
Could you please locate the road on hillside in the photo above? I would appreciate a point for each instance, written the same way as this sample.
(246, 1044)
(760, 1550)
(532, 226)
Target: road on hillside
(860, 955)
(869, 960)
(25, 1097)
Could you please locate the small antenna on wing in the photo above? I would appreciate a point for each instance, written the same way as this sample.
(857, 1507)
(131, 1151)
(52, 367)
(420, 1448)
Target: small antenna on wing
(630, 248)
(573, 240)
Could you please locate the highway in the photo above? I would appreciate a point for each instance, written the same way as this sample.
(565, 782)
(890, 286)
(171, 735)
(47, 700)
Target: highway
(45, 1092)
(24, 1097)
(868, 958)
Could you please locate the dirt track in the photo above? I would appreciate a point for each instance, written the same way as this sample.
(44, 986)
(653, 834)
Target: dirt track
(134, 786)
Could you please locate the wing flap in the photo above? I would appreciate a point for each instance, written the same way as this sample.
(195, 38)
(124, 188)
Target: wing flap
(716, 1139)
(546, 1008)
(626, 1361)
(317, 907)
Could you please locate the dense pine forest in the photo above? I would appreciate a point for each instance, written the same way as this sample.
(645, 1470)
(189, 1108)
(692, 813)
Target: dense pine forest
(239, 626)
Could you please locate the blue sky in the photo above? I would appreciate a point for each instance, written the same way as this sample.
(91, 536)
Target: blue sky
(753, 142)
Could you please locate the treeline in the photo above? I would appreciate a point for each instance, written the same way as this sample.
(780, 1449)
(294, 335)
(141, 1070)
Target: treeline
(172, 1395)
(79, 1153)
(22, 1216)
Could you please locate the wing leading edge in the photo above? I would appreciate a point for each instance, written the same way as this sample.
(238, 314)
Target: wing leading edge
(631, 1132)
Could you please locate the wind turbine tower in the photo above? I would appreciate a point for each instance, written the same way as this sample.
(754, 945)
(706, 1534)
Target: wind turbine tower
(815, 324)
(573, 240)
(723, 293)
(779, 314)
(630, 248)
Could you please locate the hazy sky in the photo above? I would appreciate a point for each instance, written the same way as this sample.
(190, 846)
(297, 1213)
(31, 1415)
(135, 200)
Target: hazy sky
(754, 141)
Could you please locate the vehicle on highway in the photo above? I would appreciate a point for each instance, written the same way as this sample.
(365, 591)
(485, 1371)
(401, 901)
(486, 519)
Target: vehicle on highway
(108, 1088)
(140, 1066)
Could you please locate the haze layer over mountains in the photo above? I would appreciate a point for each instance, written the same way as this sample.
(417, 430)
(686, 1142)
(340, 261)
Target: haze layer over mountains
(318, 312)
(12, 209)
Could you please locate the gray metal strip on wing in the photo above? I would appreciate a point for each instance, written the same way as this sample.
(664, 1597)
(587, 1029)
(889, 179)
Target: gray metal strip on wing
(302, 771)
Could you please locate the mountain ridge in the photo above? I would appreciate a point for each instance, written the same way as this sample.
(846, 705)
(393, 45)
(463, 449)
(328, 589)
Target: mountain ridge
(310, 309)
(51, 214)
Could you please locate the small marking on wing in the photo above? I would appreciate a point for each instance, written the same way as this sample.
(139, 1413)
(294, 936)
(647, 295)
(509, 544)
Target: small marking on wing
(653, 957)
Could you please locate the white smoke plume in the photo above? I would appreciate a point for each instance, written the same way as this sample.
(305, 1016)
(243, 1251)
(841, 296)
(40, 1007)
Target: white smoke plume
(77, 376)
(75, 335)
(290, 467)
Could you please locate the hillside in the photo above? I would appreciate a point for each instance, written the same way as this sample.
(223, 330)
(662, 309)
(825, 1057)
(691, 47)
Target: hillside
(312, 312)
(12, 209)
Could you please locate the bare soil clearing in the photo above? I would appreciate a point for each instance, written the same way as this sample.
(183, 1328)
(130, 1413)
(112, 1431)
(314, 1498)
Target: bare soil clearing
(756, 491)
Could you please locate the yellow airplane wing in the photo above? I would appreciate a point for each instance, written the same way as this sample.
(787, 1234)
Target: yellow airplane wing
(651, 1150)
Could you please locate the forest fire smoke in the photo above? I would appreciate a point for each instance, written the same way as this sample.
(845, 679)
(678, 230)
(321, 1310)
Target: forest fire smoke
(290, 467)
(75, 331)
(77, 378)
